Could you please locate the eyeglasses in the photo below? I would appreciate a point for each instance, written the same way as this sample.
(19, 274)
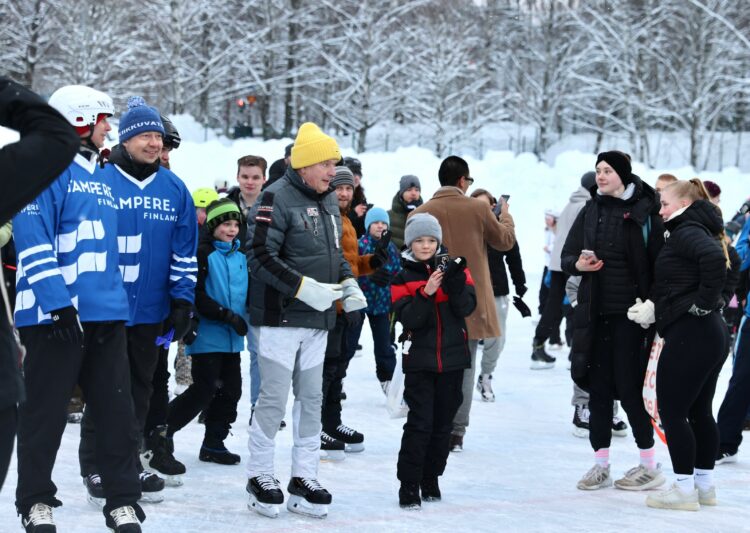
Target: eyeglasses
(469, 180)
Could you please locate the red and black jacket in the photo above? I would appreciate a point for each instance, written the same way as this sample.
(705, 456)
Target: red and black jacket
(434, 337)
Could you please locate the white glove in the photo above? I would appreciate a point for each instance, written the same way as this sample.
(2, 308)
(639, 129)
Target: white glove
(642, 313)
(319, 296)
(353, 299)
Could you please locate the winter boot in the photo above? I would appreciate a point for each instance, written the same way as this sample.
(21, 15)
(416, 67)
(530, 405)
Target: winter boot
(213, 449)
(408, 496)
(430, 489)
(158, 457)
(540, 359)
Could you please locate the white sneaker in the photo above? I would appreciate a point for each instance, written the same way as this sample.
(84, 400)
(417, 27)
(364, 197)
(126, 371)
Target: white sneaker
(641, 478)
(596, 478)
(674, 498)
(707, 496)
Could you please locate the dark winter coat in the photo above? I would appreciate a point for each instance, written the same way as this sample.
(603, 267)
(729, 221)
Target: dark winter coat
(640, 235)
(221, 287)
(435, 337)
(691, 268)
(397, 215)
(358, 222)
(47, 146)
(378, 298)
(293, 231)
(498, 273)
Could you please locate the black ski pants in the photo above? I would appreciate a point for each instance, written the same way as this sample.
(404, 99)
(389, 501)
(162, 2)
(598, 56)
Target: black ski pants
(737, 399)
(8, 424)
(335, 365)
(618, 368)
(694, 351)
(433, 400)
(157, 407)
(51, 369)
(552, 312)
(143, 355)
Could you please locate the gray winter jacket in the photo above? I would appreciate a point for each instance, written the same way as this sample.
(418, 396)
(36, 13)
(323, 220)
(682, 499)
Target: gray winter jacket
(293, 231)
(577, 200)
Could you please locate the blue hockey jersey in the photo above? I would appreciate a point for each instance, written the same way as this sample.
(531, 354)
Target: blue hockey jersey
(158, 234)
(66, 244)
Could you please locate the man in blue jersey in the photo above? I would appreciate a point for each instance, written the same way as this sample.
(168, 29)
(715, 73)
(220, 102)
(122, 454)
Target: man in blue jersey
(157, 236)
(71, 309)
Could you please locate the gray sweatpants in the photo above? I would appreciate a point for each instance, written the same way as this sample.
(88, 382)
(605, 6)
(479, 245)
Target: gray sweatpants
(581, 397)
(288, 357)
(493, 346)
(461, 420)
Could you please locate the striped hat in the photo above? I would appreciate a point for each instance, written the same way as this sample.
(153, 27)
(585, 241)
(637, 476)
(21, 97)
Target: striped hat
(220, 211)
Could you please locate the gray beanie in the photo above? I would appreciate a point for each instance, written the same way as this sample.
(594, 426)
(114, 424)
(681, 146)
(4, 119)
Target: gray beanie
(343, 176)
(422, 225)
(588, 180)
(407, 182)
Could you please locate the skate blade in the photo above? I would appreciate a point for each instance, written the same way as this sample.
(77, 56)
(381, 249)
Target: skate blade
(354, 447)
(620, 432)
(580, 433)
(541, 365)
(171, 481)
(151, 497)
(99, 503)
(488, 399)
(299, 505)
(332, 456)
(269, 510)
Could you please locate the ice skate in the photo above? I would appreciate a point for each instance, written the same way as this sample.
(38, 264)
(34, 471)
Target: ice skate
(152, 487)
(430, 490)
(408, 496)
(94, 490)
(331, 449)
(265, 495)
(541, 360)
(641, 478)
(219, 455)
(308, 498)
(596, 478)
(124, 520)
(354, 441)
(726, 458)
(384, 385)
(619, 427)
(707, 496)
(39, 519)
(581, 421)
(158, 458)
(675, 499)
(484, 387)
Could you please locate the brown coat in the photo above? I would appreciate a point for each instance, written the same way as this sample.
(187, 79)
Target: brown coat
(468, 227)
(360, 264)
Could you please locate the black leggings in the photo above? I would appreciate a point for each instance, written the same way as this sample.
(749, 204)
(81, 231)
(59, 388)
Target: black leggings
(689, 365)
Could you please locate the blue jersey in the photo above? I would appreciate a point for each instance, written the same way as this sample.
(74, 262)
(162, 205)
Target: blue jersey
(66, 244)
(157, 232)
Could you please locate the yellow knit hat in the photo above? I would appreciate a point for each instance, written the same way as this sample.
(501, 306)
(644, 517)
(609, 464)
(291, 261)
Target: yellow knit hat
(313, 146)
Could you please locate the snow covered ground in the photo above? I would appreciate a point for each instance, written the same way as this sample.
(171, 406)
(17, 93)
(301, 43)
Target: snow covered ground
(517, 473)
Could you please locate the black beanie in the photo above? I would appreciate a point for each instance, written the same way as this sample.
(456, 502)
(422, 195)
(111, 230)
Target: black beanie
(620, 163)
(588, 180)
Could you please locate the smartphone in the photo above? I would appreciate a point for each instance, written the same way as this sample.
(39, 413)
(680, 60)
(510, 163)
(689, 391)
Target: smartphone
(588, 253)
(506, 197)
(441, 261)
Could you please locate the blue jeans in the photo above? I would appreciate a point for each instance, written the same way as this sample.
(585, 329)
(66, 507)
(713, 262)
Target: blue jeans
(252, 347)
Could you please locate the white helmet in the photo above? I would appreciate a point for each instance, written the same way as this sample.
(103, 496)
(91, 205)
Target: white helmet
(81, 105)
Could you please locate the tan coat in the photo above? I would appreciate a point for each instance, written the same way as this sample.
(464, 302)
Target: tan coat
(469, 226)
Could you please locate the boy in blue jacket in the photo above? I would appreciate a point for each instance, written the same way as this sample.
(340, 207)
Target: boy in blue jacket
(220, 299)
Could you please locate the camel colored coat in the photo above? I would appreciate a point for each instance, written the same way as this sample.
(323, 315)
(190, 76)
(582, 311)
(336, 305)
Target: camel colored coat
(468, 227)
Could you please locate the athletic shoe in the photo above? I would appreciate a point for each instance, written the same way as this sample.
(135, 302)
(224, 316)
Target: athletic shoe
(596, 478)
(619, 427)
(484, 386)
(641, 478)
(674, 498)
(581, 421)
(38, 519)
(726, 458)
(707, 496)
(456, 443)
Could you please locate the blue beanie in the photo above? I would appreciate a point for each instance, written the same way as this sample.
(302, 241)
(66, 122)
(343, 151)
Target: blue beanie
(376, 214)
(139, 118)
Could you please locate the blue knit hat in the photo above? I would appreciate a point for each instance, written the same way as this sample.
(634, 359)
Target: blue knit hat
(376, 214)
(139, 118)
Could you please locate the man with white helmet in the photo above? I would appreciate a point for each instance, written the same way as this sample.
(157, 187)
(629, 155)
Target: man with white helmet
(71, 309)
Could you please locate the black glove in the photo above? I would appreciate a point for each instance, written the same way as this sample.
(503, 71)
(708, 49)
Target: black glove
(521, 306)
(353, 319)
(380, 254)
(381, 277)
(179, 318)
(66, 326)
(192, 333)
(238, 324)
(521, 290)
(454, 278)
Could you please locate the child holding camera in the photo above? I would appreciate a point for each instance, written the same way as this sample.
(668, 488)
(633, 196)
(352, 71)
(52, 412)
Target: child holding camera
(431, 297)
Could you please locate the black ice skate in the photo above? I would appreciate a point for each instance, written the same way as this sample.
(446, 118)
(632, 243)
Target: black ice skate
(125, 519)
(581, 421)
(354, 441)
(38, 519)
(152, 487)
(158, 457)
(540, 359)
(265, 495)
(331, 449)
(94, 490)
(308, 498)
(408, 496)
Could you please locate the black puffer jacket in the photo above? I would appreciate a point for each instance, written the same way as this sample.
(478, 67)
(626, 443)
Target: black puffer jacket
(691, 268)
(497, 260)
(641, 236)
(435, 337)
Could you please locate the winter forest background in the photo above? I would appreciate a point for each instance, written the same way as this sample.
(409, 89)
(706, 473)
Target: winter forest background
(648, 76)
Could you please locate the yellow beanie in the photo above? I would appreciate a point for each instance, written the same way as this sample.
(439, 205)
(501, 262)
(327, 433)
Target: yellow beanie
(313, 146)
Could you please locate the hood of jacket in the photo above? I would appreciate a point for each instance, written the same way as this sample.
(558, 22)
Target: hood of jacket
(700, 212)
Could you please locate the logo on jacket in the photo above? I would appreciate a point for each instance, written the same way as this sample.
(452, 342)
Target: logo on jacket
(312, 211)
